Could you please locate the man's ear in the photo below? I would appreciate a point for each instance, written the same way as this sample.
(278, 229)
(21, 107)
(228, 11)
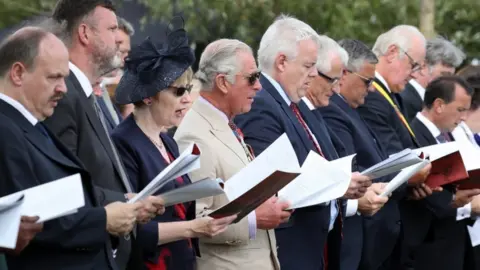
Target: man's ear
(17, 73)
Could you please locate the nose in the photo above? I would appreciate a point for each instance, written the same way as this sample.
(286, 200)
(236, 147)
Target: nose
(336, 88)
(257, 86)
(463, 116)
(62, 88)
(371, 88)
(186, 98)
(313, 72)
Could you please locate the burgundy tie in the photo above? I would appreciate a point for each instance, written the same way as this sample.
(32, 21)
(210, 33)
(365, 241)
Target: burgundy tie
(239, 135)
(296, 111)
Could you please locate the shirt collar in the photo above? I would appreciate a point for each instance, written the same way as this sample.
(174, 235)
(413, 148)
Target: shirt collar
(206, 102)
(430, 126)
(82, 79)
(279, 88)
(383, 81)
(420, 89)
(19, 107)
(308, 103)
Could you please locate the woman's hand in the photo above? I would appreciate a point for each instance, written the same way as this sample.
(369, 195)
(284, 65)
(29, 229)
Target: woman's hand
(209, 227)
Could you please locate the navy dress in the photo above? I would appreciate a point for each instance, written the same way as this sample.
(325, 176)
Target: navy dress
(143, 162)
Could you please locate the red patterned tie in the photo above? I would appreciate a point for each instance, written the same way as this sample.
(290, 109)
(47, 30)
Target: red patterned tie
(296, 111)
(239, 135)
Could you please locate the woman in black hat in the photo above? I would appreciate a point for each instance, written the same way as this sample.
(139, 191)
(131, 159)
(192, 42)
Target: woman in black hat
(157, 81)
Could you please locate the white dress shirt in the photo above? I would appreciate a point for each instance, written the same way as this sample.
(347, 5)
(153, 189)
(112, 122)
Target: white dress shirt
(252, 217)
(462, 212)
(19, 107)
(381, 79)
(420, 89)
(82, 79)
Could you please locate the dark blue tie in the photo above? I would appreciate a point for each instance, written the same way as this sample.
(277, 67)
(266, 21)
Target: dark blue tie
(44, 132)
(477, 138)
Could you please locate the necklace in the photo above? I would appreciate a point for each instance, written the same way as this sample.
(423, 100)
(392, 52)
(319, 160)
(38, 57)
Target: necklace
(159, 145)
(161, 149)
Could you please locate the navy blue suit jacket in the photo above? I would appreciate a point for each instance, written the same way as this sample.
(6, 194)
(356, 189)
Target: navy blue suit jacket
(29, 158)
(301, 241)
(434, 239)
(368, 241)
(143, 162)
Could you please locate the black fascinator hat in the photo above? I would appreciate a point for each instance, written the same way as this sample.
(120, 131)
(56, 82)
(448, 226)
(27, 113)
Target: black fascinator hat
(152, 67)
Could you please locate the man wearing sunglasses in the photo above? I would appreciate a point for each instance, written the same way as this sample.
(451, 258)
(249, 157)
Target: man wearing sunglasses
(442, 58)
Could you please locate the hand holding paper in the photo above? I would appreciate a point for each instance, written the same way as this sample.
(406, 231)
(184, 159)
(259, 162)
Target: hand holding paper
(372, 202)
(402, 177)
(272, 213)
(121, 217)
(209, 227)
(463, 197)
(358, 186)
(28, 229)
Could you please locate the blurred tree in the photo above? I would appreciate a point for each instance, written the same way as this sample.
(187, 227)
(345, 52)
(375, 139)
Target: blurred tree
(14, 11)
(208, 20)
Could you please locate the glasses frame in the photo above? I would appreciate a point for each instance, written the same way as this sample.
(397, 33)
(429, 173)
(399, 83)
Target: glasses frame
(368, 81)
(253, 77)
(179, 91)
(331, 81)
(414, 64)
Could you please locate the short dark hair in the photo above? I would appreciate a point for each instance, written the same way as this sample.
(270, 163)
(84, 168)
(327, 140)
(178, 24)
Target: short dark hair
(471, 74)
(21, 47)
(444, 88)
(73, 11)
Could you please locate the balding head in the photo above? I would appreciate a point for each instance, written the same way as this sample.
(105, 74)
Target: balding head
(33, 64)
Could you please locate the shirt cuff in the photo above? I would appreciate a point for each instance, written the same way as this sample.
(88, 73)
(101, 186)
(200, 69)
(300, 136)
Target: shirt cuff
(352, 207)
(252, 225)
(464, 212)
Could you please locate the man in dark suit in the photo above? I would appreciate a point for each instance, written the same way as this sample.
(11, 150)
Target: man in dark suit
(437, 234)
(276, 110)
(442, 58)
(32, 69)
(370, 243)
(89, 29)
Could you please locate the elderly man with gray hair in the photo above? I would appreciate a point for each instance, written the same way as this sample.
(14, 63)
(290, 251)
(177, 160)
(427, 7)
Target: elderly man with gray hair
(287, 56)
(229, 77)
(442, 58)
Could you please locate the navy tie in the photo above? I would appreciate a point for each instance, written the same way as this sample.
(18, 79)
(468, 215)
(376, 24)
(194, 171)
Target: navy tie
(477, 138)
(44, 132)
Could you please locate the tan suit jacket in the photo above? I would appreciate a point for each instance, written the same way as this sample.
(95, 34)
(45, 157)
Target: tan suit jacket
(222, 156)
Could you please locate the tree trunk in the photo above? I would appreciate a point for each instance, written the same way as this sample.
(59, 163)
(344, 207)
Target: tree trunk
(427, 18)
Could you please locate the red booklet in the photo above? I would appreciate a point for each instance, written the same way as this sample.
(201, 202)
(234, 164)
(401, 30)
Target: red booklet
(447, 170)
(473, 180)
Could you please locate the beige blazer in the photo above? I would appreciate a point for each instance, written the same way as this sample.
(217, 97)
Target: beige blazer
(221, 157)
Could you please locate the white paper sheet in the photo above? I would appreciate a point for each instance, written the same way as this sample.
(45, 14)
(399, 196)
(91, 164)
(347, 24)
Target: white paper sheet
(197, 190)
(185, 163)
(278, 156)
(10, 214)
(402, 177)
(319, 181)
(394, 163)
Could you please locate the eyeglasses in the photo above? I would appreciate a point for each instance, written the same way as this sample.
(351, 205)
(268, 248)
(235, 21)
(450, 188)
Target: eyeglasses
(253, 77)
(330, 80)
(180, 91)
(415, 66)
(368, 81)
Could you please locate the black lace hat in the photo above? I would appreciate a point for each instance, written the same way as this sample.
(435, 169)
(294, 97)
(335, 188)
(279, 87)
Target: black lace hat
(152, 67)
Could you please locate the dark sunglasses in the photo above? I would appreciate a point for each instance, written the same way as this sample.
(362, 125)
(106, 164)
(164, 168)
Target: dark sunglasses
(368, 81)
(330, 80)
(180, 91)
(253, 77)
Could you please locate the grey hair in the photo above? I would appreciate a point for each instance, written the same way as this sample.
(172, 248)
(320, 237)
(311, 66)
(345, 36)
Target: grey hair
(440, 50)
(283, 36)
(400, 35)
(220, 57)
(328, 49)
(358, 53)
(125, 26)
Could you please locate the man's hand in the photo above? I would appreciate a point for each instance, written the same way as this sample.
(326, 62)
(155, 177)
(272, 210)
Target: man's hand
(476, 205)
(422, 191)
(358, 186)
(121, 217)
(152, 206)
(420, 176)
(463, 197)
(272, 213)
(28, 230)
(371, 203)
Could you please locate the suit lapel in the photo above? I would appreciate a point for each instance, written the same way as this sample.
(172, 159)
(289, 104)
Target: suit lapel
(422, 130)
(93, 119)
(220, 130)
(267, 86)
